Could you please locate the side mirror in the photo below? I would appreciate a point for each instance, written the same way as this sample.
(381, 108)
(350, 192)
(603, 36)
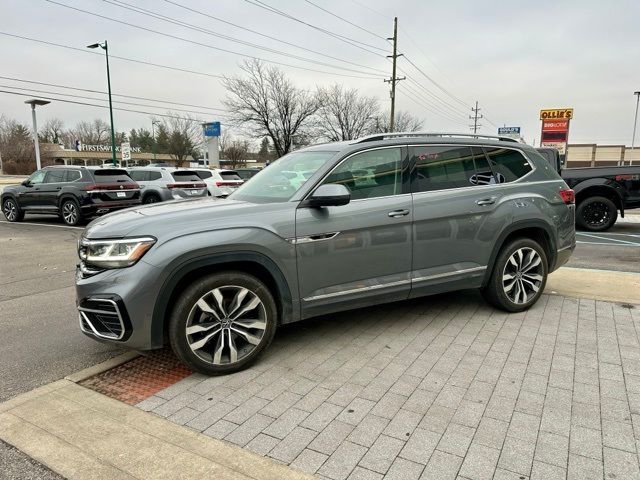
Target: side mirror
(25, 183)
(329, 195)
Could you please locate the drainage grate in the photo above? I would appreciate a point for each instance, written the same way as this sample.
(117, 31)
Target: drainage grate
(140, 378)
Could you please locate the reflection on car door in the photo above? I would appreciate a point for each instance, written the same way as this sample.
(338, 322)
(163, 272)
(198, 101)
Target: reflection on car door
(454, 195)
(359, 252)
(30, 194)
(53, 183)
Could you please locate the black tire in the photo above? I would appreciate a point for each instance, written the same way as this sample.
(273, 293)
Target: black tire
(495, 293)
(187, 313)
(596, 214)
(11, 210)
(151, 198)
(70, 212)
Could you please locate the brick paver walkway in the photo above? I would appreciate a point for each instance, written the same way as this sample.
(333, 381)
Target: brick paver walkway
(437, 388)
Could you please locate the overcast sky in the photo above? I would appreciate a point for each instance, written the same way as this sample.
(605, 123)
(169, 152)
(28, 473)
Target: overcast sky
(513, 57)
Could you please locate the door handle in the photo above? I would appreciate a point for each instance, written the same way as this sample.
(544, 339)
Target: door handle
(58, 188)
(486, 201)
(398, 213)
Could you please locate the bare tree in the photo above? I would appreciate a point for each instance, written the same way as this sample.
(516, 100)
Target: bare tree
(52, 131)
(236, 152)
(266, 102)
(180, 137)
(96, 132)
(16, 147)
(345, 114)
(405, 122)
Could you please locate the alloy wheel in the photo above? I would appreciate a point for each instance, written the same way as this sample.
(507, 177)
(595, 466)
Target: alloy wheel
(596, 214)
(10, 210)
(226, 324)
(523, 275)
(70, 213)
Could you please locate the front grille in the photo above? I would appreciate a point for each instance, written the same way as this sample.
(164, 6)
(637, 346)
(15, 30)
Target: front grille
(101, 317)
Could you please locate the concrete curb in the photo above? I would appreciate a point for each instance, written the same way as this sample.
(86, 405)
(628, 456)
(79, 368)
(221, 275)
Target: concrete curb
(102, 367)
(82, 434)
(606, 285)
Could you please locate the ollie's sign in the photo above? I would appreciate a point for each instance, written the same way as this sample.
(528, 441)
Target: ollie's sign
(555, 128)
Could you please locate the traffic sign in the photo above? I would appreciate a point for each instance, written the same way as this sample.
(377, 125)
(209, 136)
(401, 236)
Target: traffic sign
(125, 151)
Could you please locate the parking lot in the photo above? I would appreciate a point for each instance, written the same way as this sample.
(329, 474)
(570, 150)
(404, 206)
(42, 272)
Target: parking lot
(430, 388)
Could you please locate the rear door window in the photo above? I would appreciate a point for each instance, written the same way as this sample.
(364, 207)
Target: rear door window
(54, 176)
(508, 165)
(450, 166)
(185, 176)
(139, 175)
(111, 175)
(154, 175)
(72, 176)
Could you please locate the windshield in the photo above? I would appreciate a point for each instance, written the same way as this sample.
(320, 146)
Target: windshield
(280, 180)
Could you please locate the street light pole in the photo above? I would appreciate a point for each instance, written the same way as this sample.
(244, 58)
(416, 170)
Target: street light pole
(635, 121)
(153, 134)
(105, 47)
(36, 143)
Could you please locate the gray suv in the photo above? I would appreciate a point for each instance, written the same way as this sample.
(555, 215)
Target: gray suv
(159, 184)
(379, 219)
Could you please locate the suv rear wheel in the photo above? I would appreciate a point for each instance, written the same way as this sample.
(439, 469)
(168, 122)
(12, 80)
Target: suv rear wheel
(222, 323)
(11, 210)
(519, 276)
(70, 212)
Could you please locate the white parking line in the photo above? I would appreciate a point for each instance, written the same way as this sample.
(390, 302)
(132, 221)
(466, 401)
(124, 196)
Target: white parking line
(636, 245)
(41, 224)
(610, 239)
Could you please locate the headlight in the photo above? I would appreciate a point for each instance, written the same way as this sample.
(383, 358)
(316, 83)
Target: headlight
(117, 253)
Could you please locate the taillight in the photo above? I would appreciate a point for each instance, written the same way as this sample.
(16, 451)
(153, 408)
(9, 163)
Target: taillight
(186, 185)
(226, 184)
(568, 196)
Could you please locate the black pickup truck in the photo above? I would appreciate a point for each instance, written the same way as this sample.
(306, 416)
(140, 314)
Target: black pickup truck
(600, 191)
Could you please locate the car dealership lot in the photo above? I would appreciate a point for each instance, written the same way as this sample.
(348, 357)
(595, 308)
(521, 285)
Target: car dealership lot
(435, 386)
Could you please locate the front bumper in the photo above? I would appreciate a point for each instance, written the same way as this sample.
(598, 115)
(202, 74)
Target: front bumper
(116, 306)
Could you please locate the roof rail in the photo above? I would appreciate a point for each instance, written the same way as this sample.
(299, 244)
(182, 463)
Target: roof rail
(382, 136)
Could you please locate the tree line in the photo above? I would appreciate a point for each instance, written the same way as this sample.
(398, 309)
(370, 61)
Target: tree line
(263, 105)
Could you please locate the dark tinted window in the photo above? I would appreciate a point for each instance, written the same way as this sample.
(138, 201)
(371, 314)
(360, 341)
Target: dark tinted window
(507, 165)
(230, 176)
(376, 173)
(54, 176)
(202, 174)
(185, 176)
(443, 167)
(111, 175)
(139, 175)
(154, 175)
(72, 176)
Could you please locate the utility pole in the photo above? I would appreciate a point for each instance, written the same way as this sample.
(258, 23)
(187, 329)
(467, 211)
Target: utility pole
(475, 119)
(635, 121)
(393, 78)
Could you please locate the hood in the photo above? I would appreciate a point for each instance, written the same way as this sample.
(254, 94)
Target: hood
(168, 219)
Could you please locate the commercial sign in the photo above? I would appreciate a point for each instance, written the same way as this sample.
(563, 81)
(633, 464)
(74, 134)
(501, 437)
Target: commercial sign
(125, 150)
(511, 132)
(102, 148)
(555, 128)
(556, 114)
(211, 129)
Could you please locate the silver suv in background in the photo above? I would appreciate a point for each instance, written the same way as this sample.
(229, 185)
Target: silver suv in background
(159, 184)
(220, 182)
(379, 219)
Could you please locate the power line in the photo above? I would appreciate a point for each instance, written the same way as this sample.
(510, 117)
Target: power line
(105, 93)
(345, 20)
(111, 56)
(164, 18)
(415, 96)
(437, 109)
(270, 37)
(176, 37)
(83, 97)
(348, 40)
(101, 106)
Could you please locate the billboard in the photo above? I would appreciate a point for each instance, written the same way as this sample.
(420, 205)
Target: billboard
(211, 129)
(555, 128)
(511, 132)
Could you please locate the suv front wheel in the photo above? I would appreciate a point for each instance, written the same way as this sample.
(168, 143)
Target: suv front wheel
(519, 276)
(222, 323)
(11, 210)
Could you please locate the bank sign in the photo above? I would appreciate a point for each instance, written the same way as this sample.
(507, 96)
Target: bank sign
(81, 147)
(211, 129)
(555, 128)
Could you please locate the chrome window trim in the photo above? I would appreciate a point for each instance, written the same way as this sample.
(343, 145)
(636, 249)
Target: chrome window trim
(320, 182)
(84, 317)
(476, 187)
(111, 191)
(531, 164)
